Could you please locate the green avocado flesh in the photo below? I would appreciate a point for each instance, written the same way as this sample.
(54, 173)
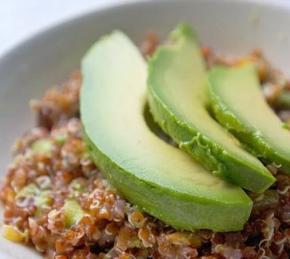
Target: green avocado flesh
(177, 83)
(159, 178)
(238, 103)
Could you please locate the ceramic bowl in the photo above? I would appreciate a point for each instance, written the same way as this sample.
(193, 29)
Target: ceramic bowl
(231, 27)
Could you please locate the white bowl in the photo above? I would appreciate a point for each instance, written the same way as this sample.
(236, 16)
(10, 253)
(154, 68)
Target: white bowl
(233, 27)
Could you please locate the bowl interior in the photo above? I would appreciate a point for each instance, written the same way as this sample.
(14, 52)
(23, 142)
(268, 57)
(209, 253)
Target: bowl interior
(232, 27)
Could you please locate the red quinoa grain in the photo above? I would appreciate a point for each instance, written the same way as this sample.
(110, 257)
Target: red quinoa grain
(109, 226)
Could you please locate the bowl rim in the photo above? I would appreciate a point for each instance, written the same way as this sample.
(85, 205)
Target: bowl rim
(281, 4)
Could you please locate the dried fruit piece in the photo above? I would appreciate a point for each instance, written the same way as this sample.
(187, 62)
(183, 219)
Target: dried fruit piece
(13, 234)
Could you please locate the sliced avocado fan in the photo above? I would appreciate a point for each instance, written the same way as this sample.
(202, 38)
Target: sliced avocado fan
(178, 99)
(159, 178)
(239, 105)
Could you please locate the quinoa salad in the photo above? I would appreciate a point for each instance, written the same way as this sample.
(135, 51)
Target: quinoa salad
(52, 180)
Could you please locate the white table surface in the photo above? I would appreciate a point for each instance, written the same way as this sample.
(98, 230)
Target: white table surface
(20, 19)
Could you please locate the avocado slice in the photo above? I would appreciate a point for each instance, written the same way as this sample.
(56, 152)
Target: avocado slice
(159, 178)
(73, 212)
(177, 83)
(239, 105)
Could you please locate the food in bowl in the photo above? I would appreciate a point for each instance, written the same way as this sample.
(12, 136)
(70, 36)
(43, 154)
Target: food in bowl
(126, 180)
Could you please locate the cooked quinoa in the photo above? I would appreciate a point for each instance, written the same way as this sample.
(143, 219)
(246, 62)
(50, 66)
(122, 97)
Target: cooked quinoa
(57, 201)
